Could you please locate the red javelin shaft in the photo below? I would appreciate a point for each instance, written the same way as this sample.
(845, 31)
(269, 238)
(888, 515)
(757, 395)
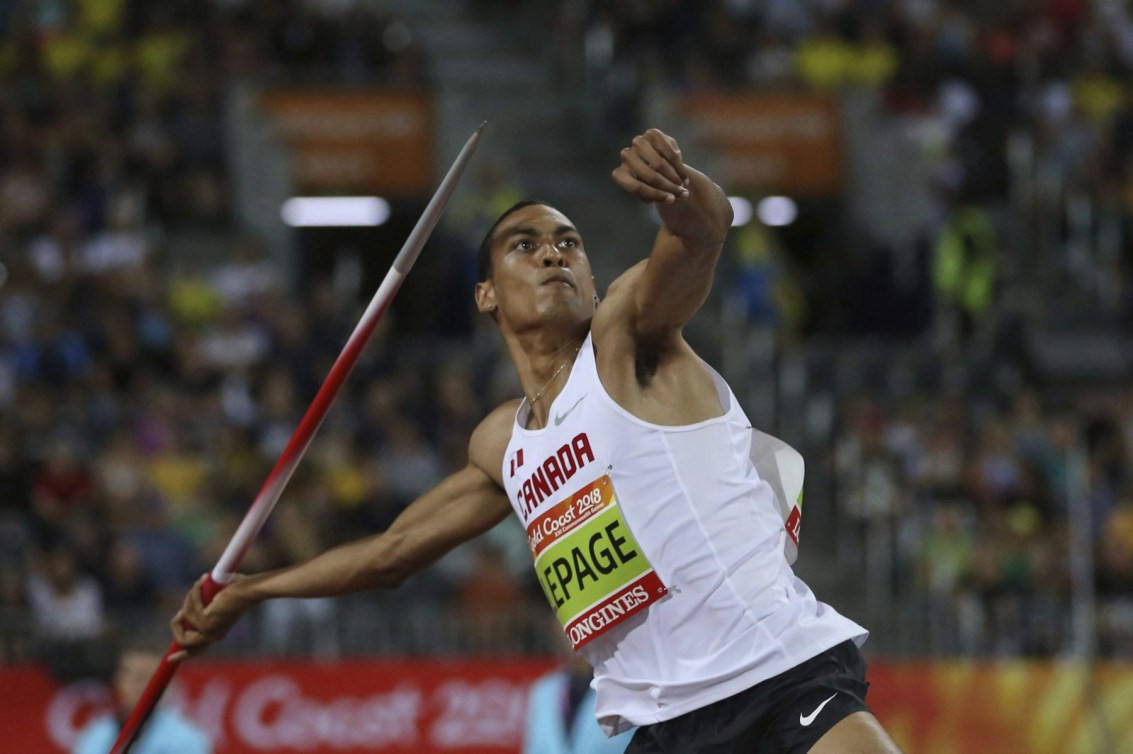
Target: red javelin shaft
(223, 572)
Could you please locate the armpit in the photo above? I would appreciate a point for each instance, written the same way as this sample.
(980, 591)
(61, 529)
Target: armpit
(646, 360)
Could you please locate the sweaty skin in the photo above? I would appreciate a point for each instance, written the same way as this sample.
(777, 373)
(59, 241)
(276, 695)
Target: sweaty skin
(542, 296)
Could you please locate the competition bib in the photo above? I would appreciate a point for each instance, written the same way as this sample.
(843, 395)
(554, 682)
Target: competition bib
(589, 565)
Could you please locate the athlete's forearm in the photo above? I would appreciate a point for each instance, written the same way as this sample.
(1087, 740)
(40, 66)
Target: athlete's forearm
(462, 506)
(352, 567)
(357, 566)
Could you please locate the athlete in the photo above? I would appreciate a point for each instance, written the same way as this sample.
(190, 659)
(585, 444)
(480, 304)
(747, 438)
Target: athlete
(657, 542)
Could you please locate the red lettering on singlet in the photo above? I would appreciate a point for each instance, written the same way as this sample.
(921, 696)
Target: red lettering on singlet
(554, 471)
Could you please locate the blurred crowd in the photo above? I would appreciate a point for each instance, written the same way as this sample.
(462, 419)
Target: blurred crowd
(1057, 67)
(140, 407)
(112, 109)
(1020, 106)
(140, 411)
(1022, 115)
(974, 509)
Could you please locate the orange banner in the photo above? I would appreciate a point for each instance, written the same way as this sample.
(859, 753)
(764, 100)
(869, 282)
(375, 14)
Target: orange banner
(1007, 708)
(355, 140)
(784, 142)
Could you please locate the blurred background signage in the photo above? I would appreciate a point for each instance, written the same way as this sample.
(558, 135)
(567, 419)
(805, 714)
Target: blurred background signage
(359, 140)
(785, 142)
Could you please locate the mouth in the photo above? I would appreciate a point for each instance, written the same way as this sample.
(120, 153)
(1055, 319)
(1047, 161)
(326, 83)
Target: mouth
(559, 279)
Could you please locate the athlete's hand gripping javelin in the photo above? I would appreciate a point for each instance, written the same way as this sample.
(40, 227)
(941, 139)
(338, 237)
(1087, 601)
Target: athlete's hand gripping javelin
(196, 625)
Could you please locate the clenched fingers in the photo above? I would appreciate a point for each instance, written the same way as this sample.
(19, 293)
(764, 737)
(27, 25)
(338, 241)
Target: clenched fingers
(662, 152)
(668, 148)
(648, 167)
(631, 183)
(189, 624)
(652, 169)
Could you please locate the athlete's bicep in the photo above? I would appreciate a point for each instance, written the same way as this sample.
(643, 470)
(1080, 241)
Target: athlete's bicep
(678, 277)
(646, 307)
(627, 327)
(674, 284)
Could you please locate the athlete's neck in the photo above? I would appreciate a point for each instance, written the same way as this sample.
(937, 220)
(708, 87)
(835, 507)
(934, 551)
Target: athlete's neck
(542, 363)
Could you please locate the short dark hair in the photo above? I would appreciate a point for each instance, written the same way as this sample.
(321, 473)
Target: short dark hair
(484, 255)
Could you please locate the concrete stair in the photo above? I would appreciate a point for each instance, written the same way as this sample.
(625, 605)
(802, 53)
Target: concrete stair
(497, 68)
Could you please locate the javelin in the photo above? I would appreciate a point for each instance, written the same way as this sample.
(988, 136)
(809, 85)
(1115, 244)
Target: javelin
(225, 569)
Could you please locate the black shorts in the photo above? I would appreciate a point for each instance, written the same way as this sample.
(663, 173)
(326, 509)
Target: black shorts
(786, 714)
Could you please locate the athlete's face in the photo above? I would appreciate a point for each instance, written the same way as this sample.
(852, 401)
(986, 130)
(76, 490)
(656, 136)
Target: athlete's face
(539, 270)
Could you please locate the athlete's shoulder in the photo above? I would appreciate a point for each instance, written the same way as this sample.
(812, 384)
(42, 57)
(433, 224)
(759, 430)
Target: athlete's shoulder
(625, 284)
(501, 419)
(615, 313)
(489, 441)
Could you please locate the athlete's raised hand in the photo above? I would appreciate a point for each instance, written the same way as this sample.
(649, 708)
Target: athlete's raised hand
(652, 170)
(690, 205)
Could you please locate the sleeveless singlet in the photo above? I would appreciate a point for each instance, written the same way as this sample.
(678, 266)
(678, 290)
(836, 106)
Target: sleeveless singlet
(661, 550)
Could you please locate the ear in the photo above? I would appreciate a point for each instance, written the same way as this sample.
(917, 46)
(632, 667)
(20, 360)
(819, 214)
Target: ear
(486, 298)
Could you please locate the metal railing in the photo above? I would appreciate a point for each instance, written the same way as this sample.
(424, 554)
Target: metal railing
(363, 625)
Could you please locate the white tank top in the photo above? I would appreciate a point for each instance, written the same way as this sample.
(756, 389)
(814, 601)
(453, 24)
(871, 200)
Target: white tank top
(662, 551)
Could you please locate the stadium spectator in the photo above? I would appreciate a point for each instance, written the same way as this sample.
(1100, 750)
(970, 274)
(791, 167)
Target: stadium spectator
(166, 731)
(62, 487)
(490, 599)
(964, 270)
(127, 587)
(560, 711)
(16, 632)
(66, 605)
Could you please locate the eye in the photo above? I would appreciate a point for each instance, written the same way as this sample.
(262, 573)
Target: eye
(569, 243)
(524, 245)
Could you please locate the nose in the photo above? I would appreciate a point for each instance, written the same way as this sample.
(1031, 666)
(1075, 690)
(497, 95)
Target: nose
(553, 257)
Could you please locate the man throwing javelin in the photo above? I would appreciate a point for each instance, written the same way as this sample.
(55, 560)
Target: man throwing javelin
(656, 542)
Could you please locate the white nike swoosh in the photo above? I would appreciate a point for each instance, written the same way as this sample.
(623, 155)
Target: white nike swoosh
(560, 417)
(805, 720)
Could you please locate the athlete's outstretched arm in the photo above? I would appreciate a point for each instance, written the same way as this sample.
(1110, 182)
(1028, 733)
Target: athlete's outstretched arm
(463, 506)
(673, 283)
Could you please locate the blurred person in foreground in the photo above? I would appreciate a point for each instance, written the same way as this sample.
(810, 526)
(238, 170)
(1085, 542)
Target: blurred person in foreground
(676, 589)
(166, 732)
(560, 711)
